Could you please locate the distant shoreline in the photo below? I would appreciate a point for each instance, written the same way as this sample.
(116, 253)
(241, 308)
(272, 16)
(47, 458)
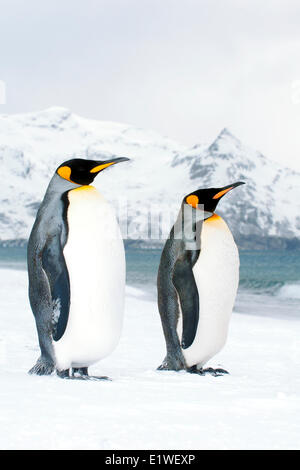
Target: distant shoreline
(247, 242)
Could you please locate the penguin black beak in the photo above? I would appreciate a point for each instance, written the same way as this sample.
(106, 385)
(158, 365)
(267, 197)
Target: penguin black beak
(101, 165)
(222, 191)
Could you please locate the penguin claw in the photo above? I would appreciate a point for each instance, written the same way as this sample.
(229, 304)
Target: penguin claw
(94, 378)
(215, 372)
(81, 373)
(97, 378)
(220, 371)
(163, 366)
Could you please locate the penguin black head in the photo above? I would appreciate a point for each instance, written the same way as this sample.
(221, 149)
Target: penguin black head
(208, 199)
(83, 172)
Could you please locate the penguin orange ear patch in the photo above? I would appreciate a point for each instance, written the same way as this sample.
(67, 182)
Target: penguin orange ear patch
(221, 193)
(193, 200)
(65, 172)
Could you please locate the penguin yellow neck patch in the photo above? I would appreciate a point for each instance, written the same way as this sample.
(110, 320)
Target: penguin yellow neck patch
(193, 200)
(65, 172)
(214, 218)
(85, 188)
(101, 167)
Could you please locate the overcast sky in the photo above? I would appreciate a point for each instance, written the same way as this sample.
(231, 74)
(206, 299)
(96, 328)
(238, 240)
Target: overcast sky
(186, 68)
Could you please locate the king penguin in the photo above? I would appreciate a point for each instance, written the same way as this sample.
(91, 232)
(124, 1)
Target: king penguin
(197, 283)
(76, 268)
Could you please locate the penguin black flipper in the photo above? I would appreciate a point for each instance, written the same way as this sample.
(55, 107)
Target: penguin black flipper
(44, 250)
(168, 305)
(54, 265)
(185, 284)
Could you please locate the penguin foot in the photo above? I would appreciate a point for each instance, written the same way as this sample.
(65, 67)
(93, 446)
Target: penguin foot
(79, 374)
(209, 370)
(215, 372)
(97, 377)
(82, 374)
(63, 374)
(172, 364)
(194, 370)
(42, 367)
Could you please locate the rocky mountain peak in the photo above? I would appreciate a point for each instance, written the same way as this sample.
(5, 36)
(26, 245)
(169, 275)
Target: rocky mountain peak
(225, 145)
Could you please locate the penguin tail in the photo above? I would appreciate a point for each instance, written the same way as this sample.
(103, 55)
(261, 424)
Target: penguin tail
(42, 367)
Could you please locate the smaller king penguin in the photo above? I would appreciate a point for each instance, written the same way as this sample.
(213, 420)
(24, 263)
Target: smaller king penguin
(197, 283)
(76, 268)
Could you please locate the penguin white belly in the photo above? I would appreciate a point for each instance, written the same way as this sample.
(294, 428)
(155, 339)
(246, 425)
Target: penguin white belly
(216, 274)
(94, 255)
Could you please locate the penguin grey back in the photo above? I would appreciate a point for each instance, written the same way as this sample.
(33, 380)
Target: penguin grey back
(49, 287)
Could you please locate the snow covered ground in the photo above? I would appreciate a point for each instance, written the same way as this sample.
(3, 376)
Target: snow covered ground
(256, 407)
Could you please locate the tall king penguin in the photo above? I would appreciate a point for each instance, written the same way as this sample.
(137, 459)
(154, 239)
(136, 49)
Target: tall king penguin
(197, 283)
(76, 268)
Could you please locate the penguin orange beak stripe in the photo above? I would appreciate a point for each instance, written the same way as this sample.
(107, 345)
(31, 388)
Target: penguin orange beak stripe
(101, 167)
(221, 193)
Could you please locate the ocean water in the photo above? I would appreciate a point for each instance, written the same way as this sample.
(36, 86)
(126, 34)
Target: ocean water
(269, 280)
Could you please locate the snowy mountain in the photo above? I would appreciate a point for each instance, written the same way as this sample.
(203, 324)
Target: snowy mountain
(268, 206)
(160, 173)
